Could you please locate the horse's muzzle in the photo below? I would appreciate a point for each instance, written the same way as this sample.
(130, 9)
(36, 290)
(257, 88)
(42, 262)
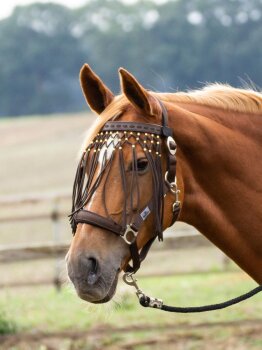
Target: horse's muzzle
(90, 284)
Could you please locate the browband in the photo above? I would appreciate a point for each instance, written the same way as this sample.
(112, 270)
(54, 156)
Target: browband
(138, 127)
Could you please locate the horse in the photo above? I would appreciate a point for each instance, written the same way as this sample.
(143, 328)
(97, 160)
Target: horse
(215, 135)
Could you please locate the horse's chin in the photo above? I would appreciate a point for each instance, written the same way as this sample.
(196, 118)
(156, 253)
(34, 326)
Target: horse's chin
(110, 293)
(107, 297)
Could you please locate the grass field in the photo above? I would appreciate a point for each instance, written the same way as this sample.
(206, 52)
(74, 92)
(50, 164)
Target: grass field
(38, 155)
(98, 327)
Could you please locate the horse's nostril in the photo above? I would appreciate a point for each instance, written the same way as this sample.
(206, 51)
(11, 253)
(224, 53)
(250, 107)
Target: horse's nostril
(93, 265)
(92, 270)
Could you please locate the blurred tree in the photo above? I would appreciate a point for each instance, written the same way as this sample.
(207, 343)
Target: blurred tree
(39, 61)
(176, 45)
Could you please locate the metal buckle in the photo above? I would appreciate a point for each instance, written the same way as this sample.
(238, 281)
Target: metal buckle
(129, 279)
(172, 185)
(173, 189)
(155, 303)
(126, 236)
(168, 143)
(132, 281)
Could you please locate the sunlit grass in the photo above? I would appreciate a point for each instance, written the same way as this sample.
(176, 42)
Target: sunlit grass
(45, 309)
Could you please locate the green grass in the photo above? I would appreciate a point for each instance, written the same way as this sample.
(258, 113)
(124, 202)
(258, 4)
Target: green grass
(43, 308)
(7, 326)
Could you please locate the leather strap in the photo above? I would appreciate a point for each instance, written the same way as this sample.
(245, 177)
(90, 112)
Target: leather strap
(131, 126)
(91, 218)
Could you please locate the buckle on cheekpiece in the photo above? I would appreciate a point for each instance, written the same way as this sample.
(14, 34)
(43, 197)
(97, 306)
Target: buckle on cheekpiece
(129, 235)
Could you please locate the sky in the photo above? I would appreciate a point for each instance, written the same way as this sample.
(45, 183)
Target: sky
(6, 6)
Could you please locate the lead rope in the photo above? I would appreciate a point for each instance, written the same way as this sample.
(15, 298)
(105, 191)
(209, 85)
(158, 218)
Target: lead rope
(156, 303)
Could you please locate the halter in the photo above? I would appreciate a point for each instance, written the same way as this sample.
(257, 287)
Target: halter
(101, 152)
(93, 171)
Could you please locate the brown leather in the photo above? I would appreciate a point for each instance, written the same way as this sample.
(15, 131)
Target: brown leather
(83, 190)
(131, 126)
(88, 217)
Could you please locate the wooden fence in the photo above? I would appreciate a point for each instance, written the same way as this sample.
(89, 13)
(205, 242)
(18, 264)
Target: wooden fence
(57, 249)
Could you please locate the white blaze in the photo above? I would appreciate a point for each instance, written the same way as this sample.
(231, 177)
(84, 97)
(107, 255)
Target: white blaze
(108, 149)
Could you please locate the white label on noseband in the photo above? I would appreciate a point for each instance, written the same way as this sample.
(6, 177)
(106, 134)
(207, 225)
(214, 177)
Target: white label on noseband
(145, 213)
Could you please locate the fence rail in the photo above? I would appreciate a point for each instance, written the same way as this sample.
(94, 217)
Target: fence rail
(187, 238)
(11, 254)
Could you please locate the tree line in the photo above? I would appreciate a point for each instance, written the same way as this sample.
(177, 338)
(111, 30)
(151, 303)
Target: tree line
(169, 46)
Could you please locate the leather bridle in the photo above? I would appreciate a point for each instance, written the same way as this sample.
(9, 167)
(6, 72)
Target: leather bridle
(149, 137)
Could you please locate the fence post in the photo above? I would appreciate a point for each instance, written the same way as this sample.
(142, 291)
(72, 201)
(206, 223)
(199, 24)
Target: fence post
(56, 236)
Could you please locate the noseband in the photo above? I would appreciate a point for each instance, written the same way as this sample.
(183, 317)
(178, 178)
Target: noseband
(93, 171)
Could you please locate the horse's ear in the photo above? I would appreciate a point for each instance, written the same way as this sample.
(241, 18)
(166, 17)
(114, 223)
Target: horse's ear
(97, 94)
(137, 95)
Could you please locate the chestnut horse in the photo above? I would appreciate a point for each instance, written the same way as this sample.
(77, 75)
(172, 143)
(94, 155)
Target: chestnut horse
(218, 131)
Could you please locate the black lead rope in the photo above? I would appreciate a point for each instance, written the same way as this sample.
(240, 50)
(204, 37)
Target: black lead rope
(147, 301)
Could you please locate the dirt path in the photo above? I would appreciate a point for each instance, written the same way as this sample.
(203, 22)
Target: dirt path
(238, 335)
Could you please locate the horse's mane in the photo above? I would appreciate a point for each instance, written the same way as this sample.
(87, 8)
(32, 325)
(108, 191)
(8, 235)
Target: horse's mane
(214, 95)
(220, 96)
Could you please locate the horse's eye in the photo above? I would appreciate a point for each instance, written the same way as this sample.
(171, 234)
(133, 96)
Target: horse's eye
(142, 165)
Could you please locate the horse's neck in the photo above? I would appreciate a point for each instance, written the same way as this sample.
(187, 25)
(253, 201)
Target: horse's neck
(219, 170)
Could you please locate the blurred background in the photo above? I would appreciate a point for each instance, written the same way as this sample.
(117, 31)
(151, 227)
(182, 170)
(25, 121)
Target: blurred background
(168, 46)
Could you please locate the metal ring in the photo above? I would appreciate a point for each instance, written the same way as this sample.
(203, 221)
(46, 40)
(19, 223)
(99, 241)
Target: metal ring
(168, 142)
(171, 184)
(126, 234)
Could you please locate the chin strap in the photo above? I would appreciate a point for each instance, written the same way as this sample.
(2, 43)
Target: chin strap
(156, 303)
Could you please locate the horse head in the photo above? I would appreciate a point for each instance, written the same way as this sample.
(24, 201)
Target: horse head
(123, 195)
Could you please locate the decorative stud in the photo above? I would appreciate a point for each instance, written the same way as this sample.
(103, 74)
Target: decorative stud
(133, 146)
(145, 149)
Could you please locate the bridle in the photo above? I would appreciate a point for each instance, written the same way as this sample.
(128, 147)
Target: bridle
(150, 138)
(100, 153)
